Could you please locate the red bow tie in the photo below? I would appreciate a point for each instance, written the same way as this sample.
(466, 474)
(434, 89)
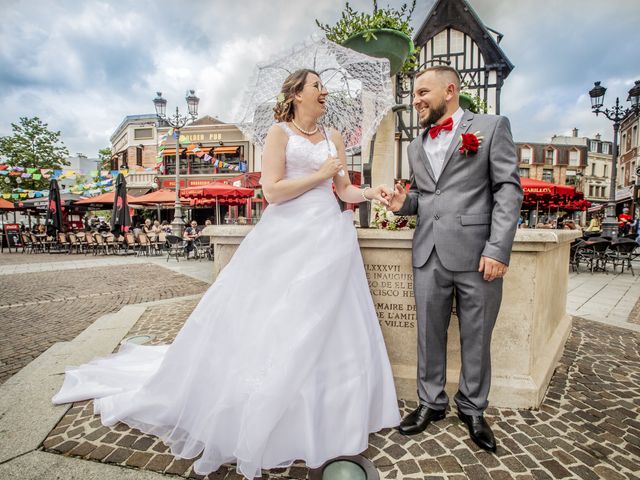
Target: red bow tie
(446, 125)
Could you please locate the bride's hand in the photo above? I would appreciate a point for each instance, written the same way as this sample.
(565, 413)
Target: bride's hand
(330, 167)
(381, 193)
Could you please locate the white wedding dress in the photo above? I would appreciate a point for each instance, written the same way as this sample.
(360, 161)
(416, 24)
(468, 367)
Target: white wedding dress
(282, 359)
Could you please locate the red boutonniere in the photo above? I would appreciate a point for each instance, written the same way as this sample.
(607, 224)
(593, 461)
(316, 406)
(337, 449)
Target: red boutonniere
(470, 143)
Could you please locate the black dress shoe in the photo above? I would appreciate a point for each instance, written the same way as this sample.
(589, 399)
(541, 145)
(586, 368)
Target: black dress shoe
(420, 419)
(479, 430)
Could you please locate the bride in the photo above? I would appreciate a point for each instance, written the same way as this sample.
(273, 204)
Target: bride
(283, 358)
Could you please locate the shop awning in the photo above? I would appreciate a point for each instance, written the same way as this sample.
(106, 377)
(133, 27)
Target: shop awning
(225, 150)
(172, 151)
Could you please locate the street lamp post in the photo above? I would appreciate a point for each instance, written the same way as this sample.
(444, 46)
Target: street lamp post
(616, 114)
(177, 121)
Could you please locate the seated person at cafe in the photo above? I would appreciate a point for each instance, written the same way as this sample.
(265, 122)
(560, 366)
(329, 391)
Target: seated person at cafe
(624, 221)
(190, 234)
(103, 227)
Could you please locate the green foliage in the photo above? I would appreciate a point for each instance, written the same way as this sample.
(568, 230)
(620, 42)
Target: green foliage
(32, 145)
(476, 103)
(352, 22)
(104, 156)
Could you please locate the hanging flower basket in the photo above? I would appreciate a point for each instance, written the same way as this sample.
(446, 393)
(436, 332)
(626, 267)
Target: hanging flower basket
(383, 43)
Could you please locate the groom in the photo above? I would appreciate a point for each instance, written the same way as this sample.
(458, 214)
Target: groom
(466, 192)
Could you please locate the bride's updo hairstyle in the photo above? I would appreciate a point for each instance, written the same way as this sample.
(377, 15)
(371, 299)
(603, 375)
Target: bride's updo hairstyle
(294, 83)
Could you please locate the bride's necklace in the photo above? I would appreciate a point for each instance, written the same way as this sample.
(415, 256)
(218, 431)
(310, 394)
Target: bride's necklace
(306, 132)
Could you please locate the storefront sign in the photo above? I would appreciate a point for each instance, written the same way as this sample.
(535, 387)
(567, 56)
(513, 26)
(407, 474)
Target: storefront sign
(200, 137)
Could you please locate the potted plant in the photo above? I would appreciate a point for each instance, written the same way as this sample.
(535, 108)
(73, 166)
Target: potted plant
(472, 102)
(385, 33)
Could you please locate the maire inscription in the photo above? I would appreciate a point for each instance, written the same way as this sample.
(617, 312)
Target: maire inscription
(392, 292)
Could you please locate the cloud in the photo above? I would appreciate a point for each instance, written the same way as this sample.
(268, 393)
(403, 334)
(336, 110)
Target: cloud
(83, 66)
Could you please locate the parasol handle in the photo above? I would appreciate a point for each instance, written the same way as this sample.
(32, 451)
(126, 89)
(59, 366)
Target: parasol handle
(326, 139)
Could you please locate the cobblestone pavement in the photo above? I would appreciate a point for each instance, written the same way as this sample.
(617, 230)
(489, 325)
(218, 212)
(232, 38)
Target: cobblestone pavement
(587, 428)
(40, 309)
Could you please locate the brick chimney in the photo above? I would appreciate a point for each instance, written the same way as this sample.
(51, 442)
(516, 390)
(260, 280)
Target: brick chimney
(574, 132)
(598, 136)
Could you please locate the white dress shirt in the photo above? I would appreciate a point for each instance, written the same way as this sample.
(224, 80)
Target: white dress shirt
(436, 148)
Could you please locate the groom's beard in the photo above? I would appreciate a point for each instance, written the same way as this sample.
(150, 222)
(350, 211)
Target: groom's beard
(435, 114)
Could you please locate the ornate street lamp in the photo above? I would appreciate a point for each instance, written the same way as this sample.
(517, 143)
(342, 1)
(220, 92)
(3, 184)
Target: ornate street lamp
(616, 114)
(177, 122)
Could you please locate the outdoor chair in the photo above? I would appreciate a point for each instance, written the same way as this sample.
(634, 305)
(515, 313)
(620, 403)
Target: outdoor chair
(144, 244)
(202, 246)
(38, 247)
(159, 242)
(89, 242)
(113, 243)
(593, 254)
(63, 243)
(622, 253)
(74, 243)
(574, 254)
(130, 242)
(27, 244)
(100, 244)
(174, 246)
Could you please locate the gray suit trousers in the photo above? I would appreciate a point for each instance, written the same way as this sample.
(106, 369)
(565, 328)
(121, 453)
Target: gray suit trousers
(477, 306)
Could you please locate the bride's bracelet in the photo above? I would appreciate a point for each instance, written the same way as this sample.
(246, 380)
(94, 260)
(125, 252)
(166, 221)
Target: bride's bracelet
(363, 196)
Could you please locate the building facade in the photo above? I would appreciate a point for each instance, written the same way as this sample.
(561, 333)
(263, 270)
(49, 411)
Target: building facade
(628, 163)
(559, 163)
(147, 152)
(597, 178)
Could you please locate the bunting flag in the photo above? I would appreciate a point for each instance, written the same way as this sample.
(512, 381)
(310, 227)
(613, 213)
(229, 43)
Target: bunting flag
(207, 157)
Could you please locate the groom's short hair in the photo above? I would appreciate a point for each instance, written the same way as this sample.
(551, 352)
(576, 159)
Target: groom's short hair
(445, 70)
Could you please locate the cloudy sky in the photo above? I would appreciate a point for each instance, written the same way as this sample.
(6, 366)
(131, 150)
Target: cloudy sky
(82, 66)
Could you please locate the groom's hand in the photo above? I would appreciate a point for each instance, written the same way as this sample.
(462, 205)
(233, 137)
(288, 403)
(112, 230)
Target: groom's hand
(398, 198)
(492, 269)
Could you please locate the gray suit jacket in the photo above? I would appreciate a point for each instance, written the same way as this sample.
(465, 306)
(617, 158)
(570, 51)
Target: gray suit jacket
(472, 209)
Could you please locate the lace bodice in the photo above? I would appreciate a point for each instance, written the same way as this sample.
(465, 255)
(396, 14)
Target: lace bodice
(303, 156)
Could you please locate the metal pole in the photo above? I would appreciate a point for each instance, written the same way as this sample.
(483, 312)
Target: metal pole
(610, 224)
(177, 225)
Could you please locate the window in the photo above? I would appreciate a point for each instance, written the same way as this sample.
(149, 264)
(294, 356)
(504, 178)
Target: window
(440, 43)
(457, 41)
(634, 136)
(593, 169)
(605, 171)
(606, 148)
(603, 192)
(143, 133)
(523, 172)
(593, 146)
(624, 142)
(549, 156)
(547, 175)
(525, 155)
(139, 156)
(574, 158)
(591, 190)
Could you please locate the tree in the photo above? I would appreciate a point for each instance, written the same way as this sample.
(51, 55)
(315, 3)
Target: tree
(104, 156)
(32, 145)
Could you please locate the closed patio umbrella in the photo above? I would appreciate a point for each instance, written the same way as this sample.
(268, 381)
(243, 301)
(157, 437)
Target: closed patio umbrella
(120, 217)
(54, 209)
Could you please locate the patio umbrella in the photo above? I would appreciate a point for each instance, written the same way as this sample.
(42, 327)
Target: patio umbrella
(246, 180)
(5, 205)
(158, 197)
(102, 200)
(120, 217)
(54, 210)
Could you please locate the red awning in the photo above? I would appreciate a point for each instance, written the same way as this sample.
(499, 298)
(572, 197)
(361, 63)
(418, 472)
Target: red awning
(247, 180)
(538, 187)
